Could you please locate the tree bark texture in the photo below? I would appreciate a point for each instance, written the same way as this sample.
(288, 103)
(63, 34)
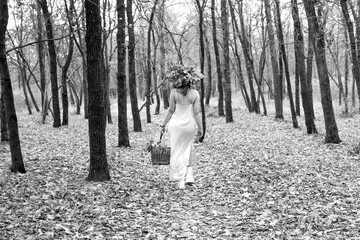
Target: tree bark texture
(17, 164)
(41, 53)
(202, 65)
(65, 68)
(332, 135)
(286, 67)
(301, 70)
(53, 64)
(132, 69)
(274, 63)
(225, 31)
(123, 138)
(353, 50)
(218, 62)
(4, 129)
(99, 170)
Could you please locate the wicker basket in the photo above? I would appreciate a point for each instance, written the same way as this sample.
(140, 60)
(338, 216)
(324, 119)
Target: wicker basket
(160, 154)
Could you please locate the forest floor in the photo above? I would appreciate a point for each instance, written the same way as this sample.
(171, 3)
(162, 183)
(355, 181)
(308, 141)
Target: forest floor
(256, 178)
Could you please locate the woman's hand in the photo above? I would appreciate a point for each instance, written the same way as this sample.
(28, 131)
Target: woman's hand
(199, 133)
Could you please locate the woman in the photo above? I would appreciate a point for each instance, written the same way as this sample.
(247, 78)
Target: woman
(183, 117)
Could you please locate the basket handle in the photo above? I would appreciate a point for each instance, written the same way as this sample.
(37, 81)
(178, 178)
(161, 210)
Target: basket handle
(161, 135)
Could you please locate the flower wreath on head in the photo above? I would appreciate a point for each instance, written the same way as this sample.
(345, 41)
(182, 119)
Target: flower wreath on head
(181, 76)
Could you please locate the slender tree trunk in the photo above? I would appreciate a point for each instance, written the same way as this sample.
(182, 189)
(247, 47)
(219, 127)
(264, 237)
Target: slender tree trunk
(209, 70)
(99, 170)
(132, 70)
(165, 85)
(64, 88)
(309, 67)
(237, 55)
(355, 59)
(31, 94)
(202, 63)
(53, 65)
(332, 135)
(218, 62)
(148, 78)
(17, 164)
(22, 77)
(286, 67)
(245, 43)
(300, 67)
(41, 54)
(225, 31)
(106, 66)
(154, 72)
(123, 138)
(274, 63)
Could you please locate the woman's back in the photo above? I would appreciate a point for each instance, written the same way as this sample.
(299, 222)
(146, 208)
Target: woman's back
(187, 99)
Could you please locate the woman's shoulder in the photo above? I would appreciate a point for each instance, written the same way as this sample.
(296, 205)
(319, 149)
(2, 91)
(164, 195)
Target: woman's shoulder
(195, 92)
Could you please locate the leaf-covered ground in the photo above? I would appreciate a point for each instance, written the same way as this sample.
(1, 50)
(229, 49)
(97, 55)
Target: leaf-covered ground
(256, 178)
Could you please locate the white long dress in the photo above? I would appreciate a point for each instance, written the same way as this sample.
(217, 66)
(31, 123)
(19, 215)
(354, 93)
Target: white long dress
(182, 129)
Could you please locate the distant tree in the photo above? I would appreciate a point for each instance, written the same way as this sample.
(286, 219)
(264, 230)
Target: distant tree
(209, 70)
(132, 69)
(41, 47)
(17, 164)
(162, 59)
(301, 69)
(64, 89)
(123, 137)
(274, 63)
(225, 32)
(218, 62)
(99, 170)
(353, 48)
(285, 61)
(148, 63)
(246, 47)
(53, 64)
(201, 7)
(332, 135)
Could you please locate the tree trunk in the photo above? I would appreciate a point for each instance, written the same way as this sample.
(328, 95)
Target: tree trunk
(202, 63)
(148, 63)
(300, 68)
(225, 30)
(64, 88)
(17, 164)
(41, 54)
(4, 129)
(53, 67)
(99, 170)
(332, 135)
(154, 72)
(286, 67)
(274, 63)
(106, 63)
(297, 88)
(132, 70)
(123, 138)
(209, 70)
(22, 77)
(355, 59)
(218, 62)
(245, 43)
(238, 59)
(309, 67)
(165, 85)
